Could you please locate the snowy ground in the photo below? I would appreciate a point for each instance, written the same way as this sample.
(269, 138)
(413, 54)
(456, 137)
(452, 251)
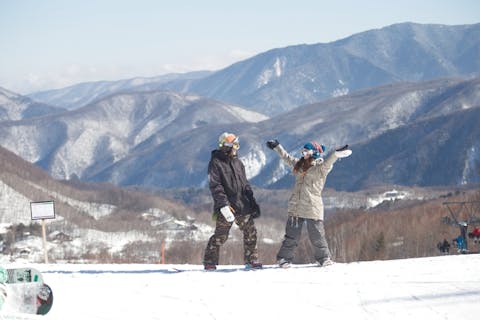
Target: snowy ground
(445, 287)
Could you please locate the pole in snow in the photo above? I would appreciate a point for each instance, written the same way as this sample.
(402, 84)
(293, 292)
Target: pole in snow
(43, 210)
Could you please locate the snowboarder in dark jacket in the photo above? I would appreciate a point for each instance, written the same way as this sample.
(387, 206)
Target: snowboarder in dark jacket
(233, 201)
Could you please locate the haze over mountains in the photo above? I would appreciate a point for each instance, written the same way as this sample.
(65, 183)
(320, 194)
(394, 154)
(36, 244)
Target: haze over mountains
(350, 91)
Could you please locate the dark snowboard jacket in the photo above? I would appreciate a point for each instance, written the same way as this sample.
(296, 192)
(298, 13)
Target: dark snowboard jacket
(229, 185)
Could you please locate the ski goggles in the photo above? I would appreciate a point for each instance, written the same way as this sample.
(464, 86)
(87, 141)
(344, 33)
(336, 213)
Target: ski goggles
(235, 144)
(307, 152)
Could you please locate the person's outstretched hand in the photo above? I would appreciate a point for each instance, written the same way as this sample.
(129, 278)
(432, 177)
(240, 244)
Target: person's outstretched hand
(343, 152)
(272, 143)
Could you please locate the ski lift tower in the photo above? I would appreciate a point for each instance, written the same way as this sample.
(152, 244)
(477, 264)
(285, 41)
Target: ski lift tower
(463, 214)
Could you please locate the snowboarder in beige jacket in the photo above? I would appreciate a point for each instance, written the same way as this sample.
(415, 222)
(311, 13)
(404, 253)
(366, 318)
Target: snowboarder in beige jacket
(305, 205)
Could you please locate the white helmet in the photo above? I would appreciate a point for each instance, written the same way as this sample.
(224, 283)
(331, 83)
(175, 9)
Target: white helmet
(229, 140)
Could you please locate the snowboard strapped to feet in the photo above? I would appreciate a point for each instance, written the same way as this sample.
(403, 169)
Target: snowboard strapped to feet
(209, 267)
(248, 266)
(284, 263)
(253, 266)
(25, 291)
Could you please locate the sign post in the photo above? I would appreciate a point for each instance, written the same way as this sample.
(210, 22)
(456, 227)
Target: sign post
(40, 211)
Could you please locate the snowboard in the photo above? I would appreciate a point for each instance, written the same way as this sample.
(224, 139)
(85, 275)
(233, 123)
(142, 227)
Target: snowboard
(25, 291)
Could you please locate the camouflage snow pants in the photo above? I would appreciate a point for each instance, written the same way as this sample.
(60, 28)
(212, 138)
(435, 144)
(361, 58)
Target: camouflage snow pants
(316, 233)
(220, 236)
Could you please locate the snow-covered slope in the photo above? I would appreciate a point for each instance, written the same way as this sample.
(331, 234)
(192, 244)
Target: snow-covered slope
(90, 221)
(86, 141)
(17, 107)
(353, 119)
(425, 288)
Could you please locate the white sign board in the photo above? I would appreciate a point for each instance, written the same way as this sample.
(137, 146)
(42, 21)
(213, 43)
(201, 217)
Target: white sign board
(42, 210)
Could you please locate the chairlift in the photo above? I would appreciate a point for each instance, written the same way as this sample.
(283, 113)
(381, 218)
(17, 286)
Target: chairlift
(463, 214)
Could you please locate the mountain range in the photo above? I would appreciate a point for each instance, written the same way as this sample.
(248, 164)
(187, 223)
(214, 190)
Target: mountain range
(163, 138)
(85, 141)
(282, 79)
(82, 94)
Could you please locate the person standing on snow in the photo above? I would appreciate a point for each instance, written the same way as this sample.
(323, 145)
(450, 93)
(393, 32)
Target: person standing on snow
(233, 202)
(306, 204)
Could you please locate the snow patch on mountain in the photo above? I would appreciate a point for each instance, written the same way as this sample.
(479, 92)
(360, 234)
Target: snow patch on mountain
(340, 92)
(147, 131)
(192, 98)
(472, 166)
(246, 115)
(280, 171)
(268, 74)
(387, 196)
(400, 110)
(278, 65)
(254, 162)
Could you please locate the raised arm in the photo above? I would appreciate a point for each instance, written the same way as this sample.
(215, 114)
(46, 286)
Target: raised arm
(275, 145)
(327, 164)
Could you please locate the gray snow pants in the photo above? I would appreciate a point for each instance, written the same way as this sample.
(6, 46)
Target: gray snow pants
(293, 231)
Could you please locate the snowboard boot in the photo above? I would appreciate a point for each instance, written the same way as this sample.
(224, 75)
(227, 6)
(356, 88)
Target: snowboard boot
(325, 263)
(253, 265)
(283, 263)
(209, 267)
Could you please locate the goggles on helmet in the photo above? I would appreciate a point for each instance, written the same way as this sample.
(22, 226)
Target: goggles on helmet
(229, 140)
(235, 144)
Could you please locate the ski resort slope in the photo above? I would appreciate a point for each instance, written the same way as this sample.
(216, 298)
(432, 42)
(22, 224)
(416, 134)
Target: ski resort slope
(446, 287)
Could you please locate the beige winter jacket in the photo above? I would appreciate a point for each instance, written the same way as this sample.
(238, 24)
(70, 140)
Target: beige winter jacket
(306, 199)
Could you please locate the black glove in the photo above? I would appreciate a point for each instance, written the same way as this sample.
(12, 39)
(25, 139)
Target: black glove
(345, 147)
(255, 211)
(272, 143)
(253, 204)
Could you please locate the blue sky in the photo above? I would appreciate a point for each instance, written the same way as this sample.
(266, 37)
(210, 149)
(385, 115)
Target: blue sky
(48, 44)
